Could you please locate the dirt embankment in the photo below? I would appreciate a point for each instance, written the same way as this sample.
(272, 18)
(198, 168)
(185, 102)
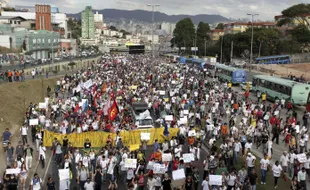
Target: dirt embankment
(15, 97)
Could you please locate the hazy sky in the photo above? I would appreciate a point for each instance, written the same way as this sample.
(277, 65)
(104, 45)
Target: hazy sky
(266, 9)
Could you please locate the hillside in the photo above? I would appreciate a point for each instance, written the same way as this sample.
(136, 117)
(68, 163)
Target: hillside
(12, 100)
(145, 16)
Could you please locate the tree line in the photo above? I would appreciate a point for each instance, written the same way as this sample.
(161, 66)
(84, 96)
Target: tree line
(266, 41)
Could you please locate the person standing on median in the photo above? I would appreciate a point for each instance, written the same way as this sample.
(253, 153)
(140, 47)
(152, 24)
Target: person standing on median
(28, 155)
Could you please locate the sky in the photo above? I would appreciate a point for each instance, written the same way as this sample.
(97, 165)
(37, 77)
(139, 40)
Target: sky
(266, 9)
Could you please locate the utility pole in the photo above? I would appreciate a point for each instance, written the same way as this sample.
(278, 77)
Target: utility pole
(153, 7)
(221, 58)
(251, 55)
(259, 50)
(205, 47)
(231, 52)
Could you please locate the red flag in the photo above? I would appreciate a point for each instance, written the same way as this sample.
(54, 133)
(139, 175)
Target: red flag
(113, 111)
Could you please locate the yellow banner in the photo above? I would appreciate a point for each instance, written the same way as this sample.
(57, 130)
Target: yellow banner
(99, 139)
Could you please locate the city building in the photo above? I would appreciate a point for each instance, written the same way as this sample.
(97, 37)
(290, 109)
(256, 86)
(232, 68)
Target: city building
(58, 20)
(14, 21)
(295, 22)
(98, 21)
(3, 4)
(88, 27)
(216, 34)
(68, 47)
(43, 17)
(168, 27)
(236, 27)
(38, 43)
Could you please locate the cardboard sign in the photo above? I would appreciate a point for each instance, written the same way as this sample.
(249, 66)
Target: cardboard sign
(64, 174)
(33, 121)
(192, 133)
(159, 168)
(169, 117)
(13, 171)
(178, 174)
(215, 180)
(145, 136)
(187, 158)
(131, 163)
(166, 157)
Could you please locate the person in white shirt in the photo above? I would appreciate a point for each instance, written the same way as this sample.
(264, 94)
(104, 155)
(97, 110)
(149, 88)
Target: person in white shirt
(301, 178)
(205, 184)
(89, 185)
(24, 132)
(237, 148)
(178, 151)
(264, 164)
(276, 171)
(250, 160)
(42, 151)
(284, 160)
(231, 180)
(36, 182)
(301, 144)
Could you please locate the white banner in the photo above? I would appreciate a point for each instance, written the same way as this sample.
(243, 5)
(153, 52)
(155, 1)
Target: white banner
(33, 121)
(88, 84)
(187, 158)
(13, 171)
(192, 133)
(131, 163)
(145, 136)
(162, 92)
(215, 180)
(166, 157)
(302, 158)
(183, 121)
(64, 174)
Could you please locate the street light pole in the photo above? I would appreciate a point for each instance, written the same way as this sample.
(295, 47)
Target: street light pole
(205, 47)
(153, 7)
(251, 55)
(221, 58)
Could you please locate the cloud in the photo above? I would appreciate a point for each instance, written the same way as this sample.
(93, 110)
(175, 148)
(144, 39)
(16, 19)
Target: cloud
(266, 9)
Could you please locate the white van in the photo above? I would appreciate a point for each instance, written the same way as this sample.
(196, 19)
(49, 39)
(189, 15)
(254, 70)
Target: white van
(142, 116)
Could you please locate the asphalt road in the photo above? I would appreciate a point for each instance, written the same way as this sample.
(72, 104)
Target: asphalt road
(52, 170)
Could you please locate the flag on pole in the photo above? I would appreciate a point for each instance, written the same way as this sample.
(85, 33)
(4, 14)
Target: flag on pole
(113, 111)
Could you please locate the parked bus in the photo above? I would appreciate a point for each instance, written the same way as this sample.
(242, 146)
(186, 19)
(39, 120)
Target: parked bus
(278, 88)
(278, 59)
(210, 68)
(308, 103)
(230, 74)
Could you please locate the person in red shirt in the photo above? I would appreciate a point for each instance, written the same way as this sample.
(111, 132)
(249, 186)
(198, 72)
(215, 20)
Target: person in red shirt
(175, 163)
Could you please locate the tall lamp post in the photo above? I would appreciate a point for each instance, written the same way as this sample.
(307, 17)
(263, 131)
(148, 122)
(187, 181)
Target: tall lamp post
(251, 55)
(153, 7)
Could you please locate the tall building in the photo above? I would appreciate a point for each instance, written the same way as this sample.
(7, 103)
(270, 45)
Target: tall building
(88, 25)
(98, 19)
(43, 17)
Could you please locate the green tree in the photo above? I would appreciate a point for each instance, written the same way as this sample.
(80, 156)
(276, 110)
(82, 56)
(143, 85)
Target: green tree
(220, 26)
(302, 35)
(203, 31)
(113, 28)
(295, 13)
(75, 28)
(184, 33)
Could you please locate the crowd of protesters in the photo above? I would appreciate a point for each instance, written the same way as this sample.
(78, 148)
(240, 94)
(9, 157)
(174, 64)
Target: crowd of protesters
(227, 125)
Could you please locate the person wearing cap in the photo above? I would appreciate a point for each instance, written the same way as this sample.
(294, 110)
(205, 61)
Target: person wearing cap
(301, 178)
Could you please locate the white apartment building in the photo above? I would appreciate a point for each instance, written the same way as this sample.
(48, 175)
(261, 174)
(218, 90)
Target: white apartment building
(168, 27)
(98, 17)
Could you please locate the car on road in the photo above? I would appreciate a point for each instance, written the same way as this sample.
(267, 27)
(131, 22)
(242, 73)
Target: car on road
(243, 86)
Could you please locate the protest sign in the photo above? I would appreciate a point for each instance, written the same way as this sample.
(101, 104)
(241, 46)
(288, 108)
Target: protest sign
(33, 121)
(161, 92)
(166, 157)
(183, 121)
(215, 180)
(186, 112)
(145, 136)
(189, 157)
(192, 133)
(302, 158)
(42, 105)
(150, 165)
(178, 174)
(169, 117)
(13, 171)
(64, 174)
(171, 93)
(131, 163)
(159, 168)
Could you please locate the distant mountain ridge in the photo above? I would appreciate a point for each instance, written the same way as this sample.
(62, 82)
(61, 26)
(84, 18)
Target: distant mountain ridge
(146, 16)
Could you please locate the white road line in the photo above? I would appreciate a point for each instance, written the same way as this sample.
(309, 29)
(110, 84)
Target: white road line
(48, 166)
